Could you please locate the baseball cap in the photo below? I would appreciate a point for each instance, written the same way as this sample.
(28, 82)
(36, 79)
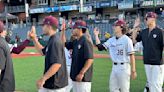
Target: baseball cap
(80, 24)
(121, 23)
(151, 15)
(2, 27)
(50, 20)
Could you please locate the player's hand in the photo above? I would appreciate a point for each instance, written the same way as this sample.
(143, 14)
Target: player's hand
(79, 77)
(137, 22)
(133, 75)
(32, 33)
(40, 83)
(96, 31)
(63, 27)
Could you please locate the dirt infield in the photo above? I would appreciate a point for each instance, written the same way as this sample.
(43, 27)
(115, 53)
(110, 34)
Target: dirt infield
(23, 55)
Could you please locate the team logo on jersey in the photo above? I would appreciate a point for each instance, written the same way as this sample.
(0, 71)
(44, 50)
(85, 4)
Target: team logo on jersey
(79, 46)
(154, 36)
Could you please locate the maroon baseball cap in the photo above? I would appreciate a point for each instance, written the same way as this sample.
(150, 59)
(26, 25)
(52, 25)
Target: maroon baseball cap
(50, 20)
(151, 15)
(2, 27)
(121, 23)
(80, 24)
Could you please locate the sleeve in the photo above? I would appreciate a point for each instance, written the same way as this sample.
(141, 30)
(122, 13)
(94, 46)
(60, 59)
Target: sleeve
(130, 48)
(57, 53)
(100, 47)
(106, 44)
(139, 37)
(69, 45)
(2, 59)
(88, 50)
(44, 50)
(20, 48)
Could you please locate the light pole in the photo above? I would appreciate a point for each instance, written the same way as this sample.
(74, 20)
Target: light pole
(26, 10)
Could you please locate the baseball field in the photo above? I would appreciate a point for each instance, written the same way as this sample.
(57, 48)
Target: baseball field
(28, 68)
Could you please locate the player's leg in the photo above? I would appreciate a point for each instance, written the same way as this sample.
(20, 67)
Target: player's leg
(81, 86)
(146, 89)
(148, 70)
(70, 85)
(124, 77)
(157, 78)
(113, 82)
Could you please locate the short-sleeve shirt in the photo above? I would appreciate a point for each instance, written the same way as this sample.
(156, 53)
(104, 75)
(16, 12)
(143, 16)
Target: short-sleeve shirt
(120, 49)
(54, 54)
(82, 51)
(153, 42)
(7, 80)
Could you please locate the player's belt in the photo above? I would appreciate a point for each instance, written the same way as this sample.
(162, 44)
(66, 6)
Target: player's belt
(115, 63)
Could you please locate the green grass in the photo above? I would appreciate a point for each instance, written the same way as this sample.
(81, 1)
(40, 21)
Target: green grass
(28, 70)
(27, 50)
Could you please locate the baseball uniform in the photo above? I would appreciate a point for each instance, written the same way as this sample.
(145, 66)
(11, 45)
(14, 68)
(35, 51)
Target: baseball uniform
(82, 51)
(54, 53)
(120, 50)
(152, 53)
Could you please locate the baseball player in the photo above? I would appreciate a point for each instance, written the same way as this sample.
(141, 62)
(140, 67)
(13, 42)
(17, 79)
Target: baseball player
(55, 77)
(82, 58)
(153, 42)
(121, 51)
(7, 80)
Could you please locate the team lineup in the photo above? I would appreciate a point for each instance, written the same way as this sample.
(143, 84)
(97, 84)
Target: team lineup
(69, 64)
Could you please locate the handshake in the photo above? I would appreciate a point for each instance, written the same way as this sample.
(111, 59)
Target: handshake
(32, 34)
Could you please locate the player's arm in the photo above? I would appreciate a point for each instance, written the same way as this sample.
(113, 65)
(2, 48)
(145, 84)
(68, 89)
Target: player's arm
(20, 48)
(53, 69)
(68, 45)
(63, 29)
(37, 44)
(133, 66)
(88, 55)
(55, 61)
(130, 51)
(2, 60)
(87, 65)
(98, 43)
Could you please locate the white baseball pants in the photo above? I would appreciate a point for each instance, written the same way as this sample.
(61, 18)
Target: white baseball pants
(154, 74)
(81, 86)
(52, 90)
(120, 78)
